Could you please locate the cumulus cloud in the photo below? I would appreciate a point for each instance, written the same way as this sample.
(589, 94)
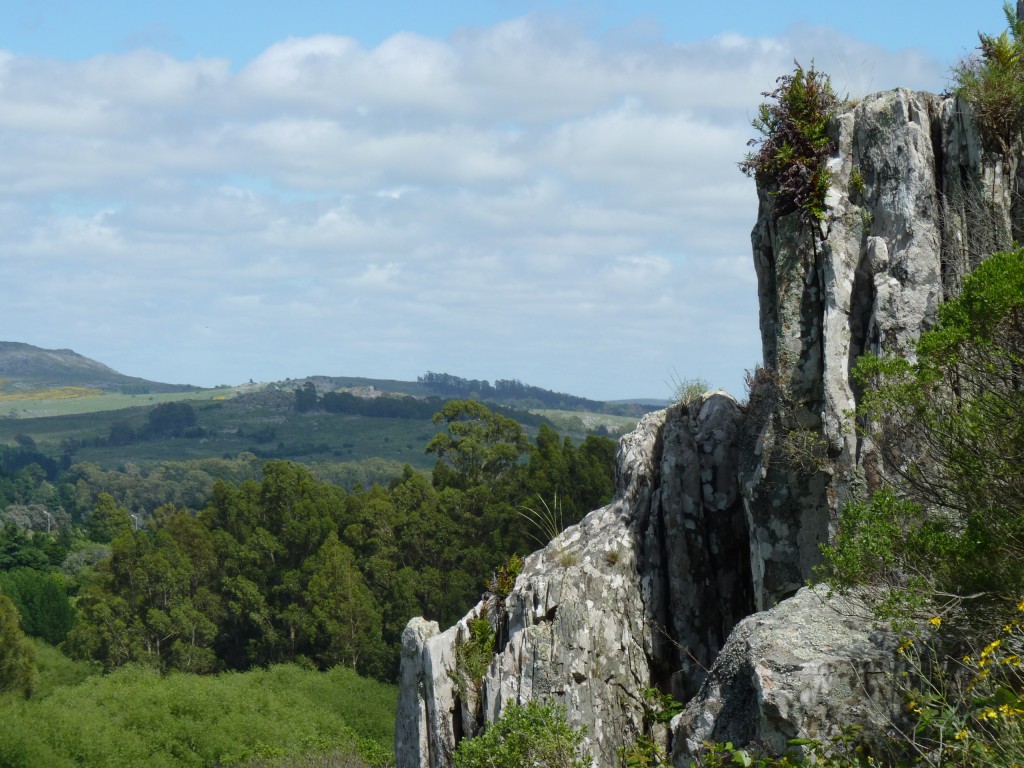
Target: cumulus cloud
(518, 200)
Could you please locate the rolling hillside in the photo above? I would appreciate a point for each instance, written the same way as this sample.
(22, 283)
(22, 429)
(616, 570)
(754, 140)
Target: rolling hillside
(25, 368)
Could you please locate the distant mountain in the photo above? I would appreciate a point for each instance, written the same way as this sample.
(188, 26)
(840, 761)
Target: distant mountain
(24, 367)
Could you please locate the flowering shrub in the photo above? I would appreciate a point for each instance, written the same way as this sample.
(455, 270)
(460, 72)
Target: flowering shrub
(970, 713)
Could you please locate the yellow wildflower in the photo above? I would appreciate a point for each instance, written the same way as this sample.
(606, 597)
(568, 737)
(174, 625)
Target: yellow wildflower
(987, 650)
(961, 735)
(1020, 606)
(935, 621)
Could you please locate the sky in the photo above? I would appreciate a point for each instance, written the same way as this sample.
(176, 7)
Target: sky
(213, 192)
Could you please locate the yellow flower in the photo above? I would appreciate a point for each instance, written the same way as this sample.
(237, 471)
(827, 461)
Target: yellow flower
(935, 621)
(987, 650)
(1020, 606)
(961, 735)
(904, 646)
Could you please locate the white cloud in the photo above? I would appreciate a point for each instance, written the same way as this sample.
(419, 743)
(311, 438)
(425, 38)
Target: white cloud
(519, 201)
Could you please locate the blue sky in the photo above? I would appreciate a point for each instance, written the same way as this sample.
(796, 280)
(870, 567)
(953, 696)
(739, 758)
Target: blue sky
(241, 30)
(213, 192)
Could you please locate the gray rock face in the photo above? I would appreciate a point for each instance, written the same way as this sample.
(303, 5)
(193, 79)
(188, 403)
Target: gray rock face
(721, 508)
(913, 206)
(641, 592)
(800, 670)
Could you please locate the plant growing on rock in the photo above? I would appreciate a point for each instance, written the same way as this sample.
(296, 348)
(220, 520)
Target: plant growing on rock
(948, 429)
(473, 655)
(792, 448)
(537, 735)
(504, 580)
(545, 523)
(992, 82)
(688, 391)
(794, 144)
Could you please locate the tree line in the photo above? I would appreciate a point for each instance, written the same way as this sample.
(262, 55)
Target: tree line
(289, 567)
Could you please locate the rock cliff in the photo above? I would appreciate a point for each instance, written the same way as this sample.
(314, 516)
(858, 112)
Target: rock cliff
(721, 507)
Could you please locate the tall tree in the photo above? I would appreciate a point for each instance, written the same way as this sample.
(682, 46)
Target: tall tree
(346, 618)
(17, 656)
(480, 446)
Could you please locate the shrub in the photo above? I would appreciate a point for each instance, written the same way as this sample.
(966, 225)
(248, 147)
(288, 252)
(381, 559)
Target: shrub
(473, 656)
(687, 391)
(992, 82)
(966, 711)
(17, 655)
(42, 602)
(948, 430)
(537, 735)
(504, 581)
(794, 144)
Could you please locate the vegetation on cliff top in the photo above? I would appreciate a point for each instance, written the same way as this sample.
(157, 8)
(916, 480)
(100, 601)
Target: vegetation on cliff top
(992, 81)
(794, 144)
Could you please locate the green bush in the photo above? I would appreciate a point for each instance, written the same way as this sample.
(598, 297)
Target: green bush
(537, 735)
(473, 656)
(948, 428)
(136, 717)
(794, 144)
(17, 656)
(992, 81)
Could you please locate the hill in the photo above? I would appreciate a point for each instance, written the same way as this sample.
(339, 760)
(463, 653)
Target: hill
(76, 409)
(25, 368)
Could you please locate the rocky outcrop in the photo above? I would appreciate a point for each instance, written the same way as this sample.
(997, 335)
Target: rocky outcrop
(800, 670)
(721, 508)
(641, 592)
(914, 204)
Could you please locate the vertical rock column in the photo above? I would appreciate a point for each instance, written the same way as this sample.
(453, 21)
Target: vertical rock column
(914, 203)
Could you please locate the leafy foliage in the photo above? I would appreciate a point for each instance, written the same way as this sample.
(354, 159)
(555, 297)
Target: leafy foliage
(17, 656)
(970, 711)
(841, 751)
(473, 655)
(41, 601)
(292, 568)
(992, 81)
(481, 446)
(949, 430)
(135, 717)
(536, 735)
(794, 144)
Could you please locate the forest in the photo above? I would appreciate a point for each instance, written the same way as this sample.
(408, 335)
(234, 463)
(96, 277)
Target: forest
(238, 565)
(250, 573)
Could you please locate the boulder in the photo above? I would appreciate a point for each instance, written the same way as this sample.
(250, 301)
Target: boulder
(805, 669)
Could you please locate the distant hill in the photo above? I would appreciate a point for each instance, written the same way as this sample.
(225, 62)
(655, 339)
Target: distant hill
(24, 367)
(516, 394)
